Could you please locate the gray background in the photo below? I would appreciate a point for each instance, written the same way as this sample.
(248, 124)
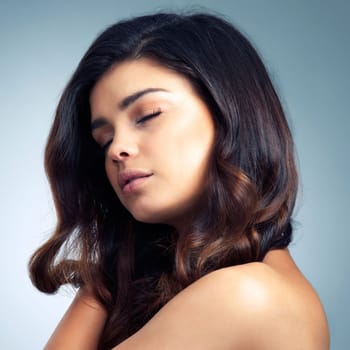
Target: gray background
(305, 45)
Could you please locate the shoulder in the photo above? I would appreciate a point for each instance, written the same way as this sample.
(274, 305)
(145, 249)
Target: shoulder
(250, 306)
(273, 302)
(238, 289)
(250, 297)
(271, 306)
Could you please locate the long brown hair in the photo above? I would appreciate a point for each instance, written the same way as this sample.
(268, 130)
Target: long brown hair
(134, 268)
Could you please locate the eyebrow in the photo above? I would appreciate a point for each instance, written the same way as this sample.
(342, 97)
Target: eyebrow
(124, 104)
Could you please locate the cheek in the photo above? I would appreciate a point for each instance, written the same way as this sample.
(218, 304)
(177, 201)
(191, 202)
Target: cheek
(194, 165)
(195, 143)
(186, 152)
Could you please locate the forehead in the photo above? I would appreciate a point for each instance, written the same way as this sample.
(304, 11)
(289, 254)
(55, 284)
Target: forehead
(132, 75)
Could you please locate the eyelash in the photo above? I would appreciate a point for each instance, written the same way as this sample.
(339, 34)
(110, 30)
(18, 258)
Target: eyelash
(149, 116)
(141, 121)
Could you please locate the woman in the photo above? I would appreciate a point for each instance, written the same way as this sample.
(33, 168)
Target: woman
(172, 169)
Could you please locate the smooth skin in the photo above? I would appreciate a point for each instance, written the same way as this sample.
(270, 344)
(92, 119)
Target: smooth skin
(167, 131)
(149, 118)
(255, 306)
(265, 306)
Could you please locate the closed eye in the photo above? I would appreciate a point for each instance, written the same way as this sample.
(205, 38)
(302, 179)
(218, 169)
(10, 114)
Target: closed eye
(142, 120)
(148, 117)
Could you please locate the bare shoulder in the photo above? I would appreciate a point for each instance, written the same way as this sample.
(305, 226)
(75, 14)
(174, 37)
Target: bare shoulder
(275, 303)
(261, 306)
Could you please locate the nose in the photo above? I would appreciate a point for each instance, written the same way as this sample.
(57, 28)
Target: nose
(122, 148)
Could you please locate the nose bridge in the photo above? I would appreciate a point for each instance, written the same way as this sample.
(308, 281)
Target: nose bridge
(124, 143)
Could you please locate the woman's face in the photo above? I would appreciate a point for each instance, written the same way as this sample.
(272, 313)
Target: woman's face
(157, 135)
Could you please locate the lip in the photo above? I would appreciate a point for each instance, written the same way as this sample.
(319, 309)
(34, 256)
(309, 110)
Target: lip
(127, 179)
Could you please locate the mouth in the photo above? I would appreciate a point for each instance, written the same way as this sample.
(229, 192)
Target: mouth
(129, 179)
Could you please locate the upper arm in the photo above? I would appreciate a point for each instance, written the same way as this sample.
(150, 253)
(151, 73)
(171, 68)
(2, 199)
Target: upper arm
(188, 321)
(219, 311)
(249, 307)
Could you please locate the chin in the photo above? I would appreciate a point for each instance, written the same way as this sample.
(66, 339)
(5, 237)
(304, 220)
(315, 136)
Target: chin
(145, 216)
(152, 216)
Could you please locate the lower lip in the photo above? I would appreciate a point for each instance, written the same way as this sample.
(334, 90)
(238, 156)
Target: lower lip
(134, 184)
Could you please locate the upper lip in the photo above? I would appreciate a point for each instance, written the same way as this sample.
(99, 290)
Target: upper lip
(126, 176)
